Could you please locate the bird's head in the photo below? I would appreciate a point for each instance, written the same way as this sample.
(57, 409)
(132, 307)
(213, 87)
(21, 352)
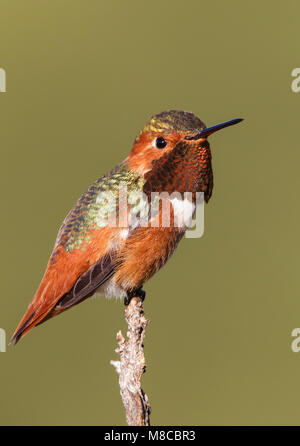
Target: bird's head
(167, 131)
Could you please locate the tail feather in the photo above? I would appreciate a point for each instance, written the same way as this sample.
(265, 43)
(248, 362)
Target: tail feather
(18, 333)
(30, 321)
(44, 300)
(56, 294)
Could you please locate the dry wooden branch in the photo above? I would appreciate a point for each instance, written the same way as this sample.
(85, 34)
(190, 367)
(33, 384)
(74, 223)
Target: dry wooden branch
(131, 366)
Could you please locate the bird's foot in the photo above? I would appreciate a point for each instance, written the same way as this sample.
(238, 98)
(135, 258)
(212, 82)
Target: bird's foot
(135, 292)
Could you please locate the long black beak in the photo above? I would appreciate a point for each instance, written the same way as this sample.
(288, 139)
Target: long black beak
(209, 130)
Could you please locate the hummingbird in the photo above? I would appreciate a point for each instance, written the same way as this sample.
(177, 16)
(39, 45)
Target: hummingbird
(170, 154)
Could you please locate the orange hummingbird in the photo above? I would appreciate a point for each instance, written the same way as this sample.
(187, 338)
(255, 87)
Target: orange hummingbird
(170, 154)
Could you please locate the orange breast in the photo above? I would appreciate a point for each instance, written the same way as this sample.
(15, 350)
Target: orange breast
(144, 253)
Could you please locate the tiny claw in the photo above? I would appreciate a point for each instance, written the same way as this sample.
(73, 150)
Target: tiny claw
(127, 300)
(135, 292)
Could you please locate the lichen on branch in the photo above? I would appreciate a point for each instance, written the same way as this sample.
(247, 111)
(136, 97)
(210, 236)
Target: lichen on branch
(131, 365)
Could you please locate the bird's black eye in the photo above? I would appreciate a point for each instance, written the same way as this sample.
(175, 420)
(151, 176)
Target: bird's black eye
(160, 143)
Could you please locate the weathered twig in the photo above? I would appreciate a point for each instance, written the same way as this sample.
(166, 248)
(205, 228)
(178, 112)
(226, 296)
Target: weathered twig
(132, 365)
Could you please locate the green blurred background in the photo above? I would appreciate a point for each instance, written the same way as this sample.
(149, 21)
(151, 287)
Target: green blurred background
(82, 79)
